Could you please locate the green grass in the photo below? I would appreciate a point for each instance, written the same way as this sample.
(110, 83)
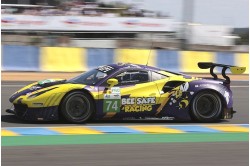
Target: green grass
(122, 138)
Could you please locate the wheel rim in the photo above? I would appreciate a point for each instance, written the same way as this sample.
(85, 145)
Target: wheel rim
(207, 105)
(78, 107)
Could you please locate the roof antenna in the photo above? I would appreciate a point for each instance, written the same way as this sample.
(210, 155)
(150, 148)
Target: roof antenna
(150, 48)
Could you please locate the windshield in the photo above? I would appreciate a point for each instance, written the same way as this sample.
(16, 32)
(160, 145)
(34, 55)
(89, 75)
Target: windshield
(89, 78)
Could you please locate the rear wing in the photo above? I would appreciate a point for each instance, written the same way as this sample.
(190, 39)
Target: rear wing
(233, 69)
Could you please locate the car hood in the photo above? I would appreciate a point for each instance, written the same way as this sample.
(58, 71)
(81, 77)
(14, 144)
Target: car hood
(36, 86)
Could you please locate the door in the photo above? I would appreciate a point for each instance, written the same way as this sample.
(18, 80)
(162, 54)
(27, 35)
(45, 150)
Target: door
(134, 95)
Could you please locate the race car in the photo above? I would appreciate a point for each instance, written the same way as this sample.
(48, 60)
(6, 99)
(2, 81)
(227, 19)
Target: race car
(128, 91)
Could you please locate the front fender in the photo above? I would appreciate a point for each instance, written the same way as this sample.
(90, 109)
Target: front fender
(49, 96)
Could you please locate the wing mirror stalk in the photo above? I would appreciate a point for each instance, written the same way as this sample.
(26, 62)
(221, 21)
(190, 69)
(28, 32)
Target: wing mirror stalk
(112, 82)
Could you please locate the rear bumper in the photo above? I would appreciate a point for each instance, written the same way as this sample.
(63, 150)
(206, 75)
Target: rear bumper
(228, 113)
(34, 114)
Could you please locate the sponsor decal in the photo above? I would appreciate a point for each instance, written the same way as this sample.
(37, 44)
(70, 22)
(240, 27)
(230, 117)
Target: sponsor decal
(140, 104)
(159, 118)
(24, 22)
(184, 87)
(8, 20)
(28, 22)
(137, 108)
(133, 23)
(112, 103)
(12, 20)
(179, 98)
(112, 96)
(183, 103)
(202, 85)
(85, 23)
(105, 68)
(115, 90)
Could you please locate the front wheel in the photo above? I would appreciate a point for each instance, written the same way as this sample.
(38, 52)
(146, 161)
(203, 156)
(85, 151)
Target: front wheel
(206, 107)
(77, 107)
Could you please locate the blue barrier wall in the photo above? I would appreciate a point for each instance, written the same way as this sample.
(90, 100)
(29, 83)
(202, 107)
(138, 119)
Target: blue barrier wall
(20, 58)
(224, 58)
(98, 57)
(168, 60)
(31, 58)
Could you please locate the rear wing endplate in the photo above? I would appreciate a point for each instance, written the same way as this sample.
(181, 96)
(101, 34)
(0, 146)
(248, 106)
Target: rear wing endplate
(233, 69)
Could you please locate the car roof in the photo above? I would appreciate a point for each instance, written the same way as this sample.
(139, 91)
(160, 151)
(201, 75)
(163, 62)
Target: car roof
(131, 65)
(120, 66)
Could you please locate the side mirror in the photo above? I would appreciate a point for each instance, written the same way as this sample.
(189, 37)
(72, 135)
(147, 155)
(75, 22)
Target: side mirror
(112, 82)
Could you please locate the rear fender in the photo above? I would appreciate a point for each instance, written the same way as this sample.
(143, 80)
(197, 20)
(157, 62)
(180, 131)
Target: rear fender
(223, 91)
(177, 102)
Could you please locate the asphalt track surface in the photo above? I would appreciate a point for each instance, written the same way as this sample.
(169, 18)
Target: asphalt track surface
(239, 88)
(172, 154)
(167, 154)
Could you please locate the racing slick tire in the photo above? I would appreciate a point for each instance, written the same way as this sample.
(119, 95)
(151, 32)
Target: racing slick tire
(206, 107)
(77, 107)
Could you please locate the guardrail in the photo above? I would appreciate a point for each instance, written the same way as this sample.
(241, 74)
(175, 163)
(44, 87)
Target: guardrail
(66, 59)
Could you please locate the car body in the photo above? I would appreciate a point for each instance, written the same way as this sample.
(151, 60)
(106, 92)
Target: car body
(126, 91)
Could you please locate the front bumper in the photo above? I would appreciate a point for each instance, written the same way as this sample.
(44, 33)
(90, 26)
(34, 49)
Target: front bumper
(35, 114)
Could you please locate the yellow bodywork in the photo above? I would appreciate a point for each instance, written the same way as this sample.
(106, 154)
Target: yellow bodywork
(52, 97)
(55, 93)
(148, 90)
(237, 70)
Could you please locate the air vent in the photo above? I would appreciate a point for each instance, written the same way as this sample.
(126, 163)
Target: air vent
(171, 85)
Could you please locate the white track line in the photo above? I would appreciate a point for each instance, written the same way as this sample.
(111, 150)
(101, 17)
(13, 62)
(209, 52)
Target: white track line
(13, 85)
(239, 86)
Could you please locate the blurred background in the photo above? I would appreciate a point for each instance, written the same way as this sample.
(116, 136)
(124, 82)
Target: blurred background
(76, 35)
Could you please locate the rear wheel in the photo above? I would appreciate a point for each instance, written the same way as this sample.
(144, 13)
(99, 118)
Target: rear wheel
(206, 107)
(77, 107)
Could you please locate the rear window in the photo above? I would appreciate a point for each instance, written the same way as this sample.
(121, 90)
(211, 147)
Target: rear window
(157, 76)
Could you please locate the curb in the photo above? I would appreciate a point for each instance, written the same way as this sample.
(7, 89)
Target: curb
(133, 129)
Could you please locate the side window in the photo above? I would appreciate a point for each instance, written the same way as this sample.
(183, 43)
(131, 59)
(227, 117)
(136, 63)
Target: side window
(132, 77)
(156, 76)
(101, 75)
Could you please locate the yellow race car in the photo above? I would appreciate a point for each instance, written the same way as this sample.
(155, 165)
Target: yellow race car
(127, 91)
